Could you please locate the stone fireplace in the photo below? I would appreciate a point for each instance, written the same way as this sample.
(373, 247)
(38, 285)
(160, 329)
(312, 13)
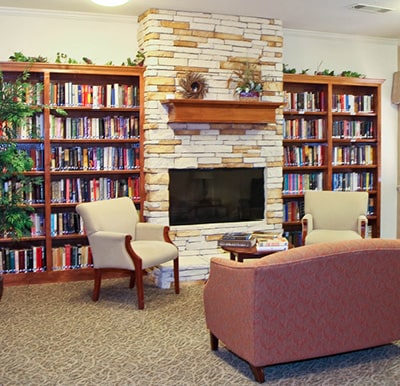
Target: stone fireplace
(175, 42)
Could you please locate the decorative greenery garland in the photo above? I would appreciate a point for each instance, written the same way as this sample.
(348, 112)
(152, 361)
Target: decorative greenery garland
(346, 73)
(63, 58)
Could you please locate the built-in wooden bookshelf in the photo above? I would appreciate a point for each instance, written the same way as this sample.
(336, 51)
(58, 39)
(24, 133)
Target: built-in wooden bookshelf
(94, 152)
(332, 141)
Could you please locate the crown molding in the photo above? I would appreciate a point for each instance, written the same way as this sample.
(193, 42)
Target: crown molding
(81, 16)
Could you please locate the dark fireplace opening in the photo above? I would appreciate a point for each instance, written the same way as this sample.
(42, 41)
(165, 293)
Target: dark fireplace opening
(202, 196)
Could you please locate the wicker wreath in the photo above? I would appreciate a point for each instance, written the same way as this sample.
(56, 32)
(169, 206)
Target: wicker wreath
(194, 85)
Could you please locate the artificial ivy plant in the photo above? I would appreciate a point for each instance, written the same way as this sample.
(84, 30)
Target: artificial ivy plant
(15, 220)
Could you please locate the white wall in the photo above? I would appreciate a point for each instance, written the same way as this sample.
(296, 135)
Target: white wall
(376, 58)
(101, 38)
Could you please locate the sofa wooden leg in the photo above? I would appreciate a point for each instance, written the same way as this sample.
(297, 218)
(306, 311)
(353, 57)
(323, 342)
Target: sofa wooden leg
(1, 286)
(97, 284)
(214, 342)
(258, 373)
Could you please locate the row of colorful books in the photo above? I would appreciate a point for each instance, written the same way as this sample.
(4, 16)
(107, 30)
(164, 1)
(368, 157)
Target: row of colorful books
(34, 259)
(293, 210)
(109, 127)
(30, 127)
(353, 182)
(71, 257)
(353, 155)
(95, 96)
(32, 194)
(95, 157)
(66, 223)
(352, 103)
(313, 101)
(353, 129)
(297, 183)
(301, 128)
(304, 155)
(74, 190)
(314, 155)
(22, 260)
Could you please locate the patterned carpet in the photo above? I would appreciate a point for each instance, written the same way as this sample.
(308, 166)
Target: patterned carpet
(55, 335)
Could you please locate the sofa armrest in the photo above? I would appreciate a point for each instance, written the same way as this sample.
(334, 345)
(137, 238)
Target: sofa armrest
(362, 223)
(229, 302)
(306, 226)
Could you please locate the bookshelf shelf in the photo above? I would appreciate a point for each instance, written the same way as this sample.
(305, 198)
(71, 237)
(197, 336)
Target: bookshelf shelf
(104, 116)
(344, 132)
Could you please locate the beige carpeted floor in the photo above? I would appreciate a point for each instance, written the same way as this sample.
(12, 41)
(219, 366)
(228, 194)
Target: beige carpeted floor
(55, 335)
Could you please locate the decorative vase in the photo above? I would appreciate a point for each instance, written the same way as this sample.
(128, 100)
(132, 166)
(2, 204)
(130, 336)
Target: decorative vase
(251, 96)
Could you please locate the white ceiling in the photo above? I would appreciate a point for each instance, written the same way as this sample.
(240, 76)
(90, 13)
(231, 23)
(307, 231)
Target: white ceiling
(334, 16)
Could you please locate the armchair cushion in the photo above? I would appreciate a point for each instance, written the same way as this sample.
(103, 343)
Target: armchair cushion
(319, 236)
(156, 252)
(334, 216)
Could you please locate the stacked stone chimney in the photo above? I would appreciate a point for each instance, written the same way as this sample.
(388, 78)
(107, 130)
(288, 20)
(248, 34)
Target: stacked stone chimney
(175, 42)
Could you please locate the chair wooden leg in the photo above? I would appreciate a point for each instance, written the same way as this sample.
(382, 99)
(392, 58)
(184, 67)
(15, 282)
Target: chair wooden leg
(139, 288)
(214, 342)
(176, 275)
(1, 286)
(258, 373)
(132, 279)
(97, 284)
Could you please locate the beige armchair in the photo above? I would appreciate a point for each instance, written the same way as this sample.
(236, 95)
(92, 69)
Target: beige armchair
(334, 216)
(120, 242)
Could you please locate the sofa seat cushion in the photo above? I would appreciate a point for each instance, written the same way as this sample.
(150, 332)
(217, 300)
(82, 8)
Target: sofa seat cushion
(326, 235)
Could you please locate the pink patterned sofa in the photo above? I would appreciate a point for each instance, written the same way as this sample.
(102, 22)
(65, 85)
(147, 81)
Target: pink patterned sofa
(306, 302)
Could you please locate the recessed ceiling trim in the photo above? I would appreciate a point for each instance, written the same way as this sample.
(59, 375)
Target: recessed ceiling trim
(370, 8)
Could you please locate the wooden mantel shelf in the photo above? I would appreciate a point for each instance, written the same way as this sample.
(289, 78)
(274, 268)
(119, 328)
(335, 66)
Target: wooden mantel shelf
(218, 111)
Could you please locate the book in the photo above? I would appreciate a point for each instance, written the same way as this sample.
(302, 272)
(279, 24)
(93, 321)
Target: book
(237, 239)
(272, 244)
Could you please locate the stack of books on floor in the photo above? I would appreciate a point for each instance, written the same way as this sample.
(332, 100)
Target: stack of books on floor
(270, 242)
(237, 239)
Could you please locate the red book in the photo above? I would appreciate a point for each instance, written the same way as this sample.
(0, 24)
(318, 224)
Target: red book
(67, 249)
(37, 252)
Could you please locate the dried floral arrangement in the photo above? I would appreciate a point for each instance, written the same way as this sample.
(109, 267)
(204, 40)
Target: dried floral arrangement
(194, 85)
(247, 79)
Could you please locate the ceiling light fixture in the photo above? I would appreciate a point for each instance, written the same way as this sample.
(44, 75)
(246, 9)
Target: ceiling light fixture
(110, 3)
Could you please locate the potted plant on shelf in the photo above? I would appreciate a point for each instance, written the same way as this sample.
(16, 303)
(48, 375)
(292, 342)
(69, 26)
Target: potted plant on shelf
(248, 82)
(15, 219)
